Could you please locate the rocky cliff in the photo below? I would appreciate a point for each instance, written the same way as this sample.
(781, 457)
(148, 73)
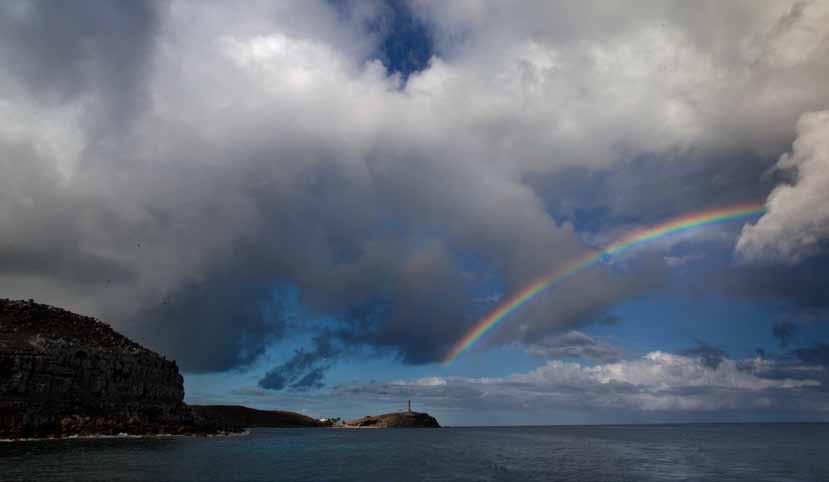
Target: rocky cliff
(64, 374)
(396, 420)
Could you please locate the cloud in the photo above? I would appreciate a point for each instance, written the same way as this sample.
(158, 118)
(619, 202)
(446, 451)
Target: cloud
(784, 331)
(709, 356)
(657, 382)
(63, 52)
(652, 188)
(305, 369)
(217, 324)
(192, 157)
(803, 363)
(574, 344)
(801, 286)
(797, 222)
(817, 354)
(595, 62)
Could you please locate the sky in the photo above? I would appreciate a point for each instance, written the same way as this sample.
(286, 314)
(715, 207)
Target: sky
(307, 204)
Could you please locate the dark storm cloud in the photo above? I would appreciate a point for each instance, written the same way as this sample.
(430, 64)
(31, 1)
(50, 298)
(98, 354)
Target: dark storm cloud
(46, 239)
(804, 284)
(65, 49)
(784, 331)
(200, 155)
(226, 321)
(305, 369)
(651, 189)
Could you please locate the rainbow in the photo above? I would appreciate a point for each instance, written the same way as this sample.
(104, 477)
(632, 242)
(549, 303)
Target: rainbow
(674, 226)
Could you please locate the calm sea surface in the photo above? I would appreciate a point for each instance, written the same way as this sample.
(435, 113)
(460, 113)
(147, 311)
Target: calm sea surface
(752, 452)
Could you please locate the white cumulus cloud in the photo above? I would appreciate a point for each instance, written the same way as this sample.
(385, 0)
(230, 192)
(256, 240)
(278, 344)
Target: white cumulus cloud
(658, 381)
(797, 222)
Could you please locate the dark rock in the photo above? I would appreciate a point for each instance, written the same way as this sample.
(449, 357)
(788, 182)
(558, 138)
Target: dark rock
(63, 374)
(251, 417)
(396, 420)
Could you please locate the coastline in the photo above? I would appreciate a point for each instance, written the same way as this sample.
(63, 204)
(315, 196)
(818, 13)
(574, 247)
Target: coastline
(357, 427)
(126, 436)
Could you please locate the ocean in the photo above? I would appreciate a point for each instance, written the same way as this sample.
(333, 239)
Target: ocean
(698, 452)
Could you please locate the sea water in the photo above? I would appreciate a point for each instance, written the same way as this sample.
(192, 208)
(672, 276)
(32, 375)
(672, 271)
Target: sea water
(717, 452)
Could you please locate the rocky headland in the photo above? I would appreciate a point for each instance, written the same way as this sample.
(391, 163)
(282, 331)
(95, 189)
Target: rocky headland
(238, 415)
(395, 420)
(63, 374)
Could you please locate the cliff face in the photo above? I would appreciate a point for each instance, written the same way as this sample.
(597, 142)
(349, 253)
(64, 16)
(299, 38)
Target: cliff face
(396, 420)
(65, 374)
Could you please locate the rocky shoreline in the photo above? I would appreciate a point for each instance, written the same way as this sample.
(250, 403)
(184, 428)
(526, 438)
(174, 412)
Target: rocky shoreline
(123, 436)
